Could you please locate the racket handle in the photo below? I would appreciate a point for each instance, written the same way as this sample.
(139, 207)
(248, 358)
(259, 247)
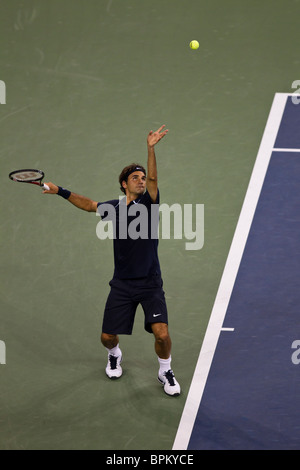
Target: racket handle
(45, 186)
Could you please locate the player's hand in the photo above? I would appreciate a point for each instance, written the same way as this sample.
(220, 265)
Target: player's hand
(154, 137)
(53, 189)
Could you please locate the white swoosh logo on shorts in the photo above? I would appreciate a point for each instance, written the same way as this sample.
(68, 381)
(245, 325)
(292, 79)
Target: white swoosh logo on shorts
(156, 314)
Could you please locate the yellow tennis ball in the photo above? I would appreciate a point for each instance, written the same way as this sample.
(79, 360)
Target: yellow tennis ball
(194, 44)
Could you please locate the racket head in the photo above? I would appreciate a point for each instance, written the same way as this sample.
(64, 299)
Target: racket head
(28, 175)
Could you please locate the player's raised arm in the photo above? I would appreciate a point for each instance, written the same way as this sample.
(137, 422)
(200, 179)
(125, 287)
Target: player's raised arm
(152, 139)
(77, 200)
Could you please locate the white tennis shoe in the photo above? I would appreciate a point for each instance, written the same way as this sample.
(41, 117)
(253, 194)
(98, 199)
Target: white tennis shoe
(113, 369)
(171, 386)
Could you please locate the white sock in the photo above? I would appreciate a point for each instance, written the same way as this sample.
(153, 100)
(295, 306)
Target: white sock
(164, 365)
(116, 351)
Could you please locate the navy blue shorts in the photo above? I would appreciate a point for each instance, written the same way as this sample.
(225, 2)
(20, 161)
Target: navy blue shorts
(124, 297)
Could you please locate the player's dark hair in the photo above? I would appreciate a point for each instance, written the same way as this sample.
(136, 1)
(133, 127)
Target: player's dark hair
(127, 171)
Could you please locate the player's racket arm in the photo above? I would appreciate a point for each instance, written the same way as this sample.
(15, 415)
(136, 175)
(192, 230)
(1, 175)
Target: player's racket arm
(81, 202)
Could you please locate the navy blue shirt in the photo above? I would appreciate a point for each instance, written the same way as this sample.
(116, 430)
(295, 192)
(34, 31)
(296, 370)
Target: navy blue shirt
(135, 235)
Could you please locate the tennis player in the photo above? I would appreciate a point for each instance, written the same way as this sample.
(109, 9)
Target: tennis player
(137, 275)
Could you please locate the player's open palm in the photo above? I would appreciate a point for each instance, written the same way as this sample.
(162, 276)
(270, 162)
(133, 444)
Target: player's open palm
(154, 137)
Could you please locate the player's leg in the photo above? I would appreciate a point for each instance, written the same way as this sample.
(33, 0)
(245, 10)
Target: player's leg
(162, 347)
(152, 298)
(163, 341)
(155, 308)
(118, 319)
(114, 355)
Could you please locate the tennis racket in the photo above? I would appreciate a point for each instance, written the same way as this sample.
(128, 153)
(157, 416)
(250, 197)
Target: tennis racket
(29, 176)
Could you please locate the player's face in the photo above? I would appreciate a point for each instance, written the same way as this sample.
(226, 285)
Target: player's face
(136, 183)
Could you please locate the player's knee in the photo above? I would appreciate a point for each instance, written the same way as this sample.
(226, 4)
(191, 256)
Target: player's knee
(109, 341)
(162, 339)
(161, 333)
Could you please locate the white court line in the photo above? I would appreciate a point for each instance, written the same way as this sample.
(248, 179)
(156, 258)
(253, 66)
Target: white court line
(286, 150)
(229, 274)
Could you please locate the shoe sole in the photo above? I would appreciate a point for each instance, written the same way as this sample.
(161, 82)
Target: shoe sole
(113, 377)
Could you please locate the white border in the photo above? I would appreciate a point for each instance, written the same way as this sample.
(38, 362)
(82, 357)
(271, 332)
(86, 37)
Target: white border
(229, 274)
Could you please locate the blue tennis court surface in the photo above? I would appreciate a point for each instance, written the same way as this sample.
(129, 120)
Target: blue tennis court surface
(251, 395)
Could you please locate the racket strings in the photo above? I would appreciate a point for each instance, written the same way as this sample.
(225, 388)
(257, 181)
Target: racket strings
(27, 176)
